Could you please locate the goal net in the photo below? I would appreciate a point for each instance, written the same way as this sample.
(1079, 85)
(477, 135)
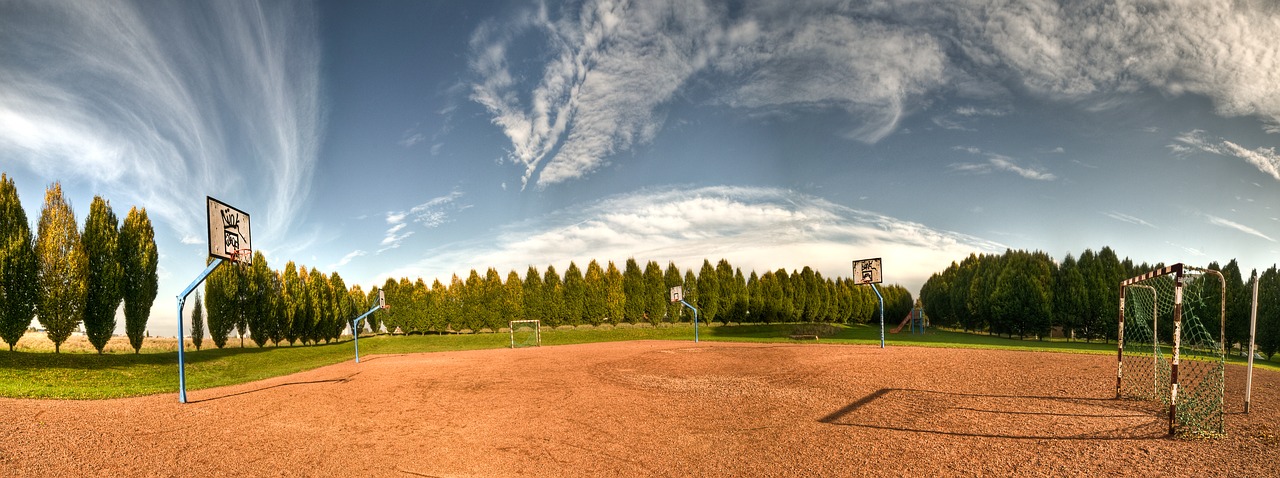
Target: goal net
(1170, 345)
(525, 333)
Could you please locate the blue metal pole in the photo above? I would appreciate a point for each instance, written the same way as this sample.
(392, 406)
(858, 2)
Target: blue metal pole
(182, 300)
(873, 287)
(695, 320)
(355, 331)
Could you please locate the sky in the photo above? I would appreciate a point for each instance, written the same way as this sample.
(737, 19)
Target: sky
(422, 139)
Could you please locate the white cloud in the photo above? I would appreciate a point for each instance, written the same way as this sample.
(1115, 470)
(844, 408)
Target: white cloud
(1265, 159)
(1127, 218)
(1217, 221)
(755, 228)
(430, 214)
(347, 259)
(606, 71)
(159, 105)
(998, 162)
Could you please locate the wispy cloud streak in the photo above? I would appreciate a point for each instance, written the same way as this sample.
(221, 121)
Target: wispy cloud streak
(1229, 224)
(160, 104)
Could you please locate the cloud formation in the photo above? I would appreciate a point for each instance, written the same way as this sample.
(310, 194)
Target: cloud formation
(999, 162)
(160, 104)
(429, 214)
(1229, 224)
(755, 228)
(1265, 159)
(604, 73)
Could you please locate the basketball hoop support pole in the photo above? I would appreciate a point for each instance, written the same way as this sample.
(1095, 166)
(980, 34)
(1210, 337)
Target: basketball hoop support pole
(873, 287)
(355, 329)
(182, 300)
(695, 320)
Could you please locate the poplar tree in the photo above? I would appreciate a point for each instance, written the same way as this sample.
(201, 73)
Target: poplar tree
(220, 291)
(19, 266)
(655, 295)
(139, 260)
(533, 309)
(318, 295)
(290, 296)
(633, 290)
(708, 292)
(63, 268)
(197, 322)
(513, 297)
(260, 299)
(102, 296)
(690, 289)
(615, 299)
(553, 297)
(595, 298)
(575, 295)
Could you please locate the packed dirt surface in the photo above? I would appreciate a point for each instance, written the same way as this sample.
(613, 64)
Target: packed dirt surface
(652, 409)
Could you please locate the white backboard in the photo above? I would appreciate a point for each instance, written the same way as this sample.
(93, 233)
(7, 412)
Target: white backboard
(382, 298)
(228, 231)
(867, 271)
(677, 294)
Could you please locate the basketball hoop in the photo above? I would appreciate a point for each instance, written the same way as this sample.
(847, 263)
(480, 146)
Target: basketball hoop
(241, 256)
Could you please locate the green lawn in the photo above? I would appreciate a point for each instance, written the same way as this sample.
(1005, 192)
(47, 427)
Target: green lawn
(92, 376)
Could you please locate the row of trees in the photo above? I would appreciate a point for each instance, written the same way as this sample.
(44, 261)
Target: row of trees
(1026, 294)
(634, 294)
(65, 276)
(293, 305)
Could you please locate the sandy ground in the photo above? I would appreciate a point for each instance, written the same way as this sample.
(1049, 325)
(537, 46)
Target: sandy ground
(651, 408)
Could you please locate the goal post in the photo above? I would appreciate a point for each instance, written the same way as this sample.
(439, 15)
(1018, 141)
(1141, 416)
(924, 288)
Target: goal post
(1170, 345)
(525, 333)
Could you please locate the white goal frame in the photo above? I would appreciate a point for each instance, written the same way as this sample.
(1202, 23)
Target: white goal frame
(537, 331)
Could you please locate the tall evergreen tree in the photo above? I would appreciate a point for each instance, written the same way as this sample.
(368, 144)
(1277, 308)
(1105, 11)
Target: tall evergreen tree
(197, 322)
(655, 293)
(1069, 296)
(277, 324)
(533, 308)
(553, 297)
(103, 296)
(575, 295)
(1238, 298)
(260, 299)
(494, 316)
(595, 300)
(633, 290)
(318, 297)
(1268, 333)
(615, 297)
(513, 297)
(291, 295)
(708, 292)
(63, 268)
(725, 291)
(139, 260)
(19, 266)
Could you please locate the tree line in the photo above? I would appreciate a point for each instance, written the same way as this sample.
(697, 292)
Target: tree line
(65, 276)
(1026, 294)
(633, 294)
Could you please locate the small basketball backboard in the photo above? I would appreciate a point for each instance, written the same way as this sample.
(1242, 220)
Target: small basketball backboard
(382, 298)
(677, 294)
(229, 234)
(867, 271)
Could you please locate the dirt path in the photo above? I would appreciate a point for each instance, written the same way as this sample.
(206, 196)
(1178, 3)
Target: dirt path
(650, 409)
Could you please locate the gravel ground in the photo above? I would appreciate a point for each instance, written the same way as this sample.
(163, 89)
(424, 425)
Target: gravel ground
(651, 408)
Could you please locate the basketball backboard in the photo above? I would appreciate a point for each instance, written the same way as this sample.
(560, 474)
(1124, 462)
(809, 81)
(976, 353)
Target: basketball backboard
(382, 299)
(677, 294)
(867, 271)
(229, 234)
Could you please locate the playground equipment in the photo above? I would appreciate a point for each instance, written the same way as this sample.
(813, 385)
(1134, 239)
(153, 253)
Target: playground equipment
(916, 319)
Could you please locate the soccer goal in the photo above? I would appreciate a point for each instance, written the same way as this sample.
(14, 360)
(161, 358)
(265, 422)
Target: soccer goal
(1170, 345)
(525, 333)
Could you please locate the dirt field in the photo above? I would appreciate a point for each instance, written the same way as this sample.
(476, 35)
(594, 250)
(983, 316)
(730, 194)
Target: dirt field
(651, 409)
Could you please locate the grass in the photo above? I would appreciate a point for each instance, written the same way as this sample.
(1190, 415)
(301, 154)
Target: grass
(79, 373)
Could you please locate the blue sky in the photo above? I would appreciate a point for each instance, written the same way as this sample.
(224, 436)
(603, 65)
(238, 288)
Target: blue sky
(422, 139)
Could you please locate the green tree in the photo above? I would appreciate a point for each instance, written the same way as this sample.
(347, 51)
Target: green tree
(615, 297)
(1238, 298)
(318, 298)
(260, 299)
(725, 290)
(1268, 333)
(494, 316)
(553, 297)
(277, 324)
(740, 304)
(101, 245)
(513, 297)
(197, 322)
(655, 294)
(691, 291)
(139, 259)
(221, 289)
(633, 290)
(63, 268)
(575, 295)
(533, 296)
(19, 266)
(708, 292)
(1069, 296)
(292, 295)
(595, 300)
